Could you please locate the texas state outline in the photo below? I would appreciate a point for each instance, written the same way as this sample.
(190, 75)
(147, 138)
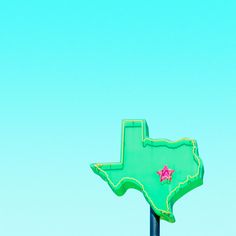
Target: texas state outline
(142, 157)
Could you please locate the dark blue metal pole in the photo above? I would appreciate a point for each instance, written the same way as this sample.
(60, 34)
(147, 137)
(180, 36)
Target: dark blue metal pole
(154, 224)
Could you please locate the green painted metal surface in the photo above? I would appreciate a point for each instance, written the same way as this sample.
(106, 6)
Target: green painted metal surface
(161, 169)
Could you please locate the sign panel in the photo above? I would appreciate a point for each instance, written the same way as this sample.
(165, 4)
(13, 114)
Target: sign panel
(162, 170)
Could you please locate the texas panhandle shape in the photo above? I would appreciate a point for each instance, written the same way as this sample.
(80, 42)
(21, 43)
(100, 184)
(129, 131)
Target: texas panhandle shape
(161, 169)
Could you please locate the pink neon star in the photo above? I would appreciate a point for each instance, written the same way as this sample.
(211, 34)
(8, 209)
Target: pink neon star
(165, 173)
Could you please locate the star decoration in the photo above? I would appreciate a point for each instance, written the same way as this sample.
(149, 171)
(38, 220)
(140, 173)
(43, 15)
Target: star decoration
(165, 174)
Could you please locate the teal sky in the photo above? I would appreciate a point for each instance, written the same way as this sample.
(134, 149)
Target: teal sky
(70, 71)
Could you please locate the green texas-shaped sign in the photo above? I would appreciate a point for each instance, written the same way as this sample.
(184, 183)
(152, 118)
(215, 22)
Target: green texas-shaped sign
(161, 169)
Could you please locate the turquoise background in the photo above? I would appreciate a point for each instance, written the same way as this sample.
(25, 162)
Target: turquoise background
(71, 70)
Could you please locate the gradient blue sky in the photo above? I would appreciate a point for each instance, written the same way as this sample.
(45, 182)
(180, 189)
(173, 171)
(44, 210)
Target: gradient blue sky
(71, 70)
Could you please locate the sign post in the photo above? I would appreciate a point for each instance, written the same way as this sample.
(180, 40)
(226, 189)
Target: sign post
(161, 169)
(154, 224)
